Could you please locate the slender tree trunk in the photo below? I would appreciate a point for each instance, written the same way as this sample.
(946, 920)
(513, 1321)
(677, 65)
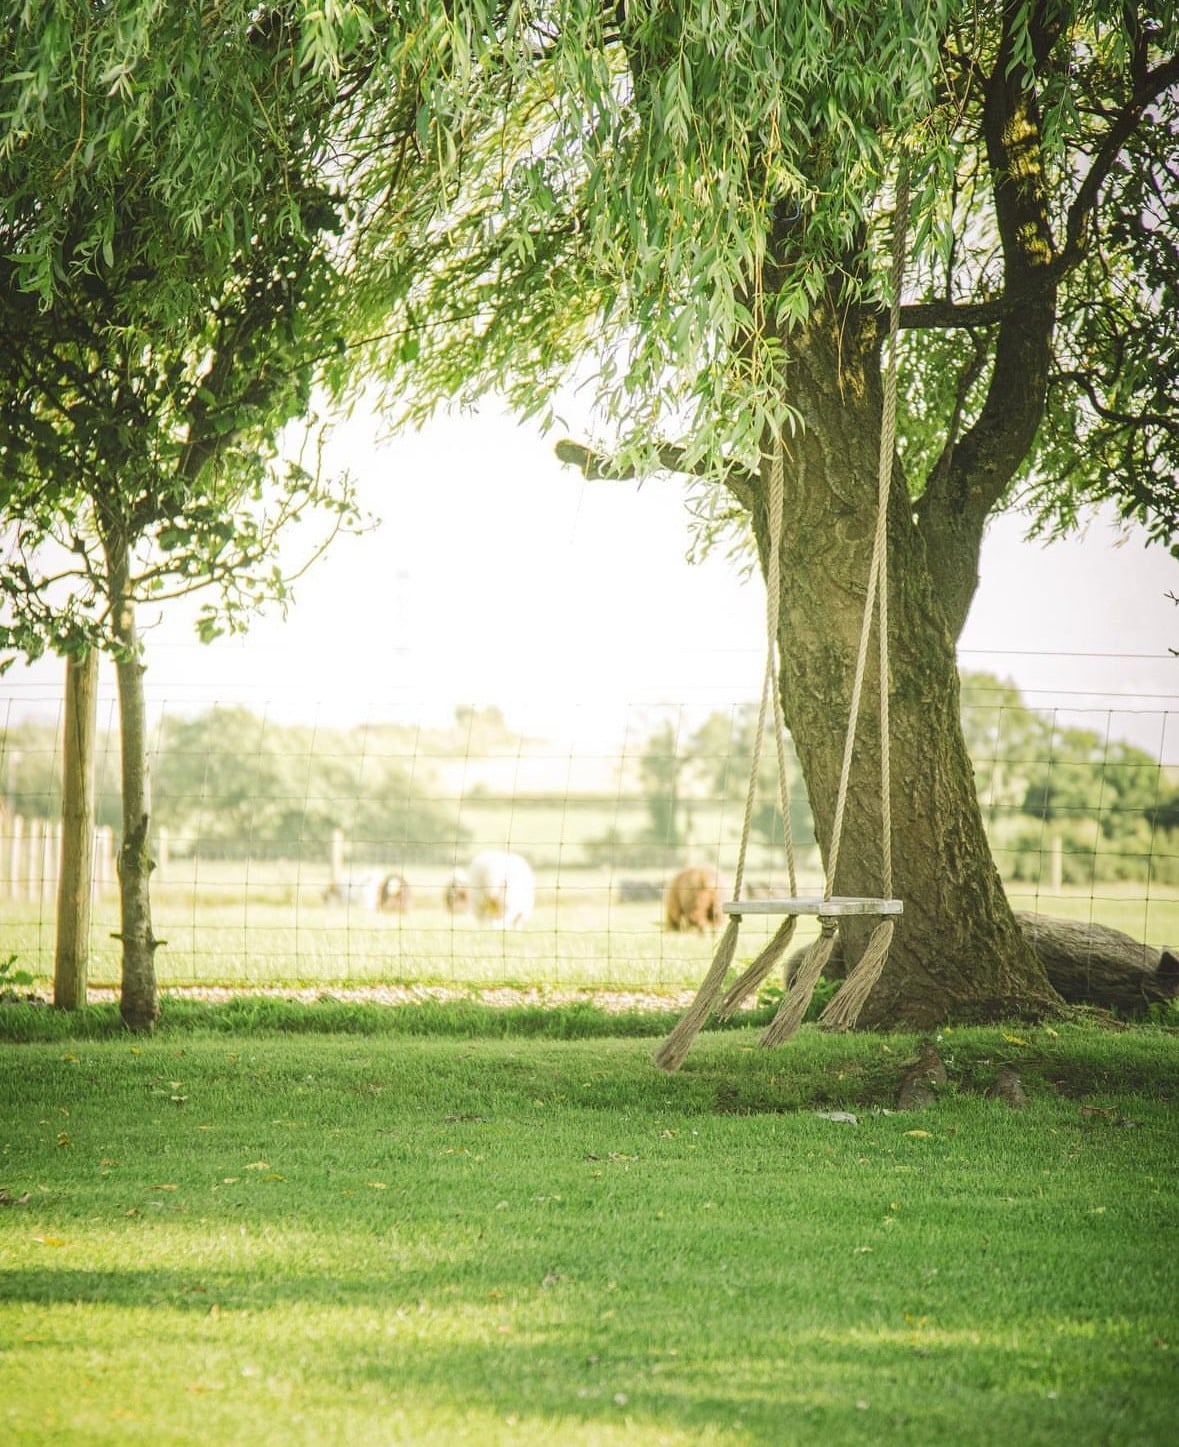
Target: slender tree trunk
(72, 952)
(140, 1005)
(957, 954)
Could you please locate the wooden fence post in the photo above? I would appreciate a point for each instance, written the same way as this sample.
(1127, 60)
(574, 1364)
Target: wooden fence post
(16, 857)
(6, 821)
(72, 954)
(104, 862)
(34, 874)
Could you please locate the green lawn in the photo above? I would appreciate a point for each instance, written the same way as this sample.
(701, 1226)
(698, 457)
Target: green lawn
(254, 1238)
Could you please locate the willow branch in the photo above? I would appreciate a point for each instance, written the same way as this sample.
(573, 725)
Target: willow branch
(595, 466)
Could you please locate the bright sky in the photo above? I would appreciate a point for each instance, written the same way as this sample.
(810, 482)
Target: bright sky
(500, 577)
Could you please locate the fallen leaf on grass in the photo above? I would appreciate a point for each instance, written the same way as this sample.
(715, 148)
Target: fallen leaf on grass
(165, 1188)
(50, 1241)
(1014, 1040)
(8, 1199)
(258, 1166)
(919, 1135)
(841, 1117)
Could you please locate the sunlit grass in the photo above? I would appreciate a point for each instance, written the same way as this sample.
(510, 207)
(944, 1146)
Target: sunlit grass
(252, 1239)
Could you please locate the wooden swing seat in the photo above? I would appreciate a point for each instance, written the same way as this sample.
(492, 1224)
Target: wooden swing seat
(833, 908)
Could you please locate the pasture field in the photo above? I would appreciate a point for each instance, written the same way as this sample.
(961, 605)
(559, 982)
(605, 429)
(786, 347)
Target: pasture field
(254, 1238)
(269, 924)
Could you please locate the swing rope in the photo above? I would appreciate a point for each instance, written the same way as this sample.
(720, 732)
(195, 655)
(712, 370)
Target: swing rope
(843, 1009)
(671, 1053)
(769, 956)
(845, 1006)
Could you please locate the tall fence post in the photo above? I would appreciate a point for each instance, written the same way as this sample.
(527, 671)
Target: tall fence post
(74, 891)
(1057, 863)
(6, 823)
(16, 857)
(104, 859)
(34, 870)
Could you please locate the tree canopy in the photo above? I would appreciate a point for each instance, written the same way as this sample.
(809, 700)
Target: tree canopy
(646, 199)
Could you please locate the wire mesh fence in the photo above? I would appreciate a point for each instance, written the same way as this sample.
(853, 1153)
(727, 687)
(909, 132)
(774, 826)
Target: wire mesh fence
(294, 853)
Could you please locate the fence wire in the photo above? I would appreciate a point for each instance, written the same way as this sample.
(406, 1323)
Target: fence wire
(291, 852)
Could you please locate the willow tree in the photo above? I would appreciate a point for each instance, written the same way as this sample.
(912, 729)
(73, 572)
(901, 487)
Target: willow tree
(684, 208)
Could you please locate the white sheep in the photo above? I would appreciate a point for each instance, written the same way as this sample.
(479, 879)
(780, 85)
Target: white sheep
(502, 888)
(360, 889)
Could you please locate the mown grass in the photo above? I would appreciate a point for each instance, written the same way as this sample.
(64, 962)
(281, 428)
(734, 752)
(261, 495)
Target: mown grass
(253, 1237)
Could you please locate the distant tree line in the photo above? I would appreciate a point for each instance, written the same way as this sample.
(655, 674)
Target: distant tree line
(229, 783)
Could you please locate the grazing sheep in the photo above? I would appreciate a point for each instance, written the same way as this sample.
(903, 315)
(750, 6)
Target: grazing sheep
(692, 900)
(394, 896)
(362, 889)
(502, 888)
(638, 891)
(458, 892)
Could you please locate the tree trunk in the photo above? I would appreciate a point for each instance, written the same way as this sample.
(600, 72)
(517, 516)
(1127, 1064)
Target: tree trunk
(72, 950)
(957, 954)
(139, 1005)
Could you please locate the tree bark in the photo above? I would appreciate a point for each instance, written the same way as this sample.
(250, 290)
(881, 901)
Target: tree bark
(1087, 964)
(1091, 964)
(957, 954)
(139, 1003)
(72, 949)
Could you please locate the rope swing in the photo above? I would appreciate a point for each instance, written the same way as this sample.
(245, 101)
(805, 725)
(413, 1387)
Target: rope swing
(844, 1008)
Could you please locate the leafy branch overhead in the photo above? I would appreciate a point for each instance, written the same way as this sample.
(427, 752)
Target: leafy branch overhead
(645, 204)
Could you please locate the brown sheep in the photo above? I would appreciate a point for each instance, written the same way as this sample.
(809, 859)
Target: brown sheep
(692, 900)
(394, 896)
(458, 893)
